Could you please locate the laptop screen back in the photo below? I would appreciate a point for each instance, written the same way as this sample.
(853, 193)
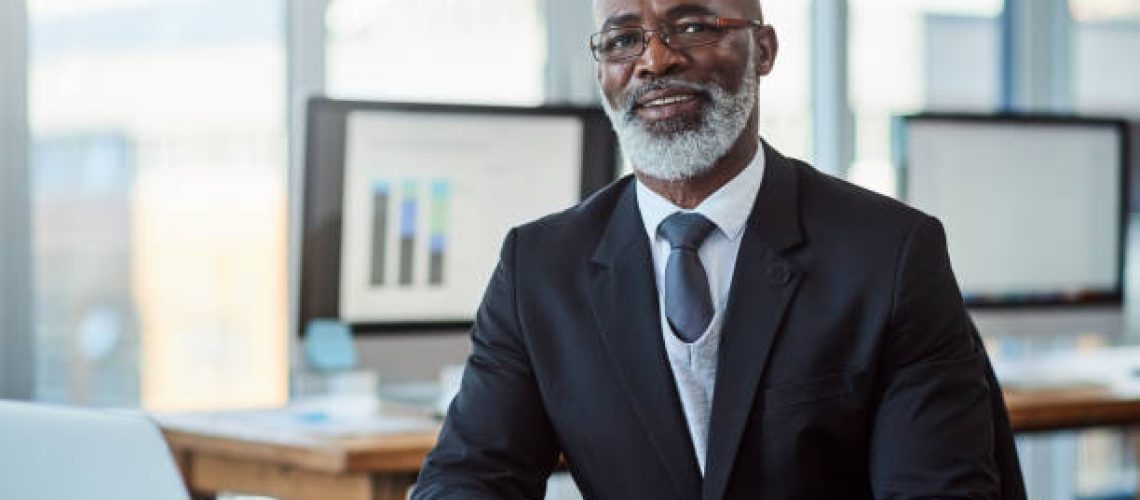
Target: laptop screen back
(53, 453)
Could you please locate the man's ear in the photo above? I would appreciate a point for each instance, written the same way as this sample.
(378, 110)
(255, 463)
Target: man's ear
(767, 46)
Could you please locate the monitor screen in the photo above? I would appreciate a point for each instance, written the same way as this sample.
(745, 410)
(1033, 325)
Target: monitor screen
(1033, 207)
(406, 205)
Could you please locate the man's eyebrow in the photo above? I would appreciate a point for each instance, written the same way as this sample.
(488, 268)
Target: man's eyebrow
(621, 20)
(689, 10)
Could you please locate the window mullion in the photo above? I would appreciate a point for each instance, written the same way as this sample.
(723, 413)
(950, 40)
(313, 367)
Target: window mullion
(305, 62)
(1037, 55)
(16, 365)
(833, 126)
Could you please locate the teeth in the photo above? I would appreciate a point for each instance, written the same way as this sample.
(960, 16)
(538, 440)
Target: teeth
(665, 101)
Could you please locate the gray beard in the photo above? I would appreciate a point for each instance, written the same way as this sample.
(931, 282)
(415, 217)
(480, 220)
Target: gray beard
(671, 151)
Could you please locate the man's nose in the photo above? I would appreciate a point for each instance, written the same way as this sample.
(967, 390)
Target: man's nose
(658, 59)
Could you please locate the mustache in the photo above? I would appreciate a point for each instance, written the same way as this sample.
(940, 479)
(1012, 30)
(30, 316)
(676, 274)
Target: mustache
(629, 101)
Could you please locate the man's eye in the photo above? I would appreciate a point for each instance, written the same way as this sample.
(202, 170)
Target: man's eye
(620, 40)
(694, 27)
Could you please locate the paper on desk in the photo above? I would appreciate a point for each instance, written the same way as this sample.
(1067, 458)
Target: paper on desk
(295, 424)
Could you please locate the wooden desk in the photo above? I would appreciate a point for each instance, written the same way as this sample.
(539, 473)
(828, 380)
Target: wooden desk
(382, 467)
(1051, 410)
(1073, 388)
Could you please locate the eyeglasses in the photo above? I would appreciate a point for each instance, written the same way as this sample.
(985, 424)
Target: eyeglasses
(627, 43)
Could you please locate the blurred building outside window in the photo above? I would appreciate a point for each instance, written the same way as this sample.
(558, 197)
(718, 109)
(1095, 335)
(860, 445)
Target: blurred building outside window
(1105, 34)
(450, 51)
(158, 181)
(907, 56)
(785, 95)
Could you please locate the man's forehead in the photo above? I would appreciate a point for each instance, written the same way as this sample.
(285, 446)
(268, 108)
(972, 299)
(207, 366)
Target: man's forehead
(609, 9)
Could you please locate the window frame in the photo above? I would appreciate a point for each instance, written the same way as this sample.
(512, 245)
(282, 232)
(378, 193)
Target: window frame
(16, 366)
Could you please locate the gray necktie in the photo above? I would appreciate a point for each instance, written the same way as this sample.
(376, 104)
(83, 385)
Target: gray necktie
(688, 305)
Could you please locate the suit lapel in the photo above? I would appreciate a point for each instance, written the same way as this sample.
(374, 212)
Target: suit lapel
(763, 285)
(624, 298)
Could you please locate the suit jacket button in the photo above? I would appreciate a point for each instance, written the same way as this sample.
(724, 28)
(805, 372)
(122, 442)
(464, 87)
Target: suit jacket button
(779, 274)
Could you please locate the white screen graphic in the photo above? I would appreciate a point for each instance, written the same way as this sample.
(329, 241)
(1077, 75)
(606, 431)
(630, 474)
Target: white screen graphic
(428, 199)
(1030, 210)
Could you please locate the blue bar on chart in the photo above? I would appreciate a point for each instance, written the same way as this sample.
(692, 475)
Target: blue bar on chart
(380, 195)
(437, 250)
(409, 207)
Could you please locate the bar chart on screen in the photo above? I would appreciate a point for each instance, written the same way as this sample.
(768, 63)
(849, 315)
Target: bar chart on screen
(407, 241)
(428, 199)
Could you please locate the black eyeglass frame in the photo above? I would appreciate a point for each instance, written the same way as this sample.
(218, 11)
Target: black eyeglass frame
(721, 23)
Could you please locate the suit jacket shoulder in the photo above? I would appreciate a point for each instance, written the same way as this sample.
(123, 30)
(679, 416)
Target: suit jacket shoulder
(834, 210)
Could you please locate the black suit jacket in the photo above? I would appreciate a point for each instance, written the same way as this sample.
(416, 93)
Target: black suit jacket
(848, 366)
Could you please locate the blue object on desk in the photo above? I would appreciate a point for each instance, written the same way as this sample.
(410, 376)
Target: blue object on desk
(328, 346)
(313, 417)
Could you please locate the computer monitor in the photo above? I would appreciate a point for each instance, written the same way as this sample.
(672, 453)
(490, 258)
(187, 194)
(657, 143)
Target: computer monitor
(1034, 206)
(406, 205)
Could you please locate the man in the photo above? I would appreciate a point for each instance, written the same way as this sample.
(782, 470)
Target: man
(727, 324)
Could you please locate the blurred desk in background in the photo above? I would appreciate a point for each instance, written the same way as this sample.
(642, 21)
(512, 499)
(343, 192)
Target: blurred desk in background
(1068, 409)
(1090, 397)
(1072, 389)
(302, 455)
(298, 456)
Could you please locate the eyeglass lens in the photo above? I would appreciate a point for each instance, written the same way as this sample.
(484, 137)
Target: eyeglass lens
(618, 44)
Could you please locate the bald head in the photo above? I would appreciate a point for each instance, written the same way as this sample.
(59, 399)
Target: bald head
(753, 9)
(748, 9)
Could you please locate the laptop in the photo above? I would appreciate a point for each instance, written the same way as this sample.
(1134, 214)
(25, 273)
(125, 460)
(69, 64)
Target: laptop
(58, 453)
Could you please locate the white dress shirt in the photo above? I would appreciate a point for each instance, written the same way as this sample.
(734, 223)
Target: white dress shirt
(694, 365)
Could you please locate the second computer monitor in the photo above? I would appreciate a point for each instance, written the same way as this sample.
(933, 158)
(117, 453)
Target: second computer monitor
(1033, 206)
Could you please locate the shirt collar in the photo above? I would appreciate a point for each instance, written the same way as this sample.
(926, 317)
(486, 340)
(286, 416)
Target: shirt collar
(728, 207)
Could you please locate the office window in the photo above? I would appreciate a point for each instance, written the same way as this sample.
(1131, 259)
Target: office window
(159, 202)
(490, 51)
(785, 96)
(495, 52)
(907, 56)
(1104, 10)
(1103, 31)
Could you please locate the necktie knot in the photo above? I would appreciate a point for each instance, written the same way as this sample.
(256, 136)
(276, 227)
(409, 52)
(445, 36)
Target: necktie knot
(685, 230)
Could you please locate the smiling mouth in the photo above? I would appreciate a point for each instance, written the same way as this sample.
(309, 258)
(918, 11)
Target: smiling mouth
(665, 101)
(669, 108)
